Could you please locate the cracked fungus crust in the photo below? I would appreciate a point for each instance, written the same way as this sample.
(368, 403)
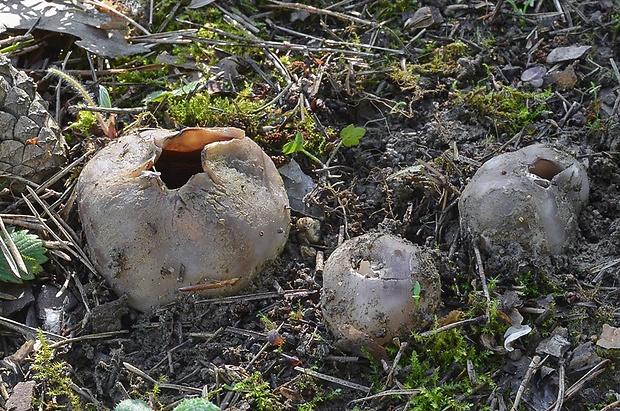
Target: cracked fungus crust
(368, 284)
(164, 210)
(532, 197)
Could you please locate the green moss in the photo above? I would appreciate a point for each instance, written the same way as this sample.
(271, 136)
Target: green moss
(203, 109)
(508, 108)
(434, 356)
(53, 375)
(258, 390)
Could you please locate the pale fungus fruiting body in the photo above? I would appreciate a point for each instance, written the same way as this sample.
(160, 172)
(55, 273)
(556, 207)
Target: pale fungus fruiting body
(380, 285)
(203, 209)
(531, 197)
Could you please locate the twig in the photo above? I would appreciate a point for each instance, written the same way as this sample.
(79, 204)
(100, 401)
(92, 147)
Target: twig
(27, 331)
(412, 392)
(87, 337)
(50, 181)
(335, 380)
(11, 254)
(590, 375)
(533, 367)
(561, 386)
(257, 296)
(115, 110)
(399, 354)
(144, 375)
(612, 406)
(314, 10)
(117, 13)
(456, 324)
(483, 278)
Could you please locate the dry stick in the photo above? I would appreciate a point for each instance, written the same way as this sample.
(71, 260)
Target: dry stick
(79, 254)
(612, 406)
(11, 254)
(461, 323)
(50, 181)
(87, 337)
(561, 386)
(390, 376)
(412, 392)
(63, 227)
(590, 375)
(144, 375)
(483, 278)
(335, 380)
(27, 331)
(314, 10)
(534, 365)
(496, 11)
(130, 110)
(118, 13)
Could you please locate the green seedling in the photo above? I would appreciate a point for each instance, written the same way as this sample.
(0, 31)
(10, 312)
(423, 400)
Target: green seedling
(32, 251)
(107, 126)
(417, 289)
(351, 135)
(184, 90)
(297, 146)
(520, 9)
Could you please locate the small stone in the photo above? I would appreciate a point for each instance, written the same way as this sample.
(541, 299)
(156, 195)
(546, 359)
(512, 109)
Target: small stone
(309, 229)
(307, 251)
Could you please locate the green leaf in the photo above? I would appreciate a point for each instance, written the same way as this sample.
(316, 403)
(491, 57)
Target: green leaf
(157, 96)
(196, 404)
(33, 253)
(294, 146)
(417, 289)
(104, 97)
(132, 405)
(351, 135)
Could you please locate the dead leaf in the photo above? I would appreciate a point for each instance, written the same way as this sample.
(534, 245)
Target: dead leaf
(560, 54)
(100, 33)
(610, 338)
(512, 334)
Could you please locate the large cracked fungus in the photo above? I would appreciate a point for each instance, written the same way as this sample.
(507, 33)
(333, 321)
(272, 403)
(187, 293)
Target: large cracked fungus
(198, 210)
(531, 197)
(369, 285)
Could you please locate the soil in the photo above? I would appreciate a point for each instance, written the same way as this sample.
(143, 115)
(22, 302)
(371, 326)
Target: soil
(426, 136)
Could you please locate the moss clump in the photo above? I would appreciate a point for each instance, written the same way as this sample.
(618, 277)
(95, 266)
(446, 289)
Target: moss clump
(53, 375)
(508, 108)
(203, 109)
(433, 357)
(256, 389)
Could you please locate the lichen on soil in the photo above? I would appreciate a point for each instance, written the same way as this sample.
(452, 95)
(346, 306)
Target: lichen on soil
(437, 99)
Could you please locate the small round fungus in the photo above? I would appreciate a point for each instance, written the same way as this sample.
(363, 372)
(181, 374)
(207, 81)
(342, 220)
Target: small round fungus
(381, 285)
(531, 197)
(203, 210)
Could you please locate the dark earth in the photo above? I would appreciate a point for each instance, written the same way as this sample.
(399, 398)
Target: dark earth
(440, 88)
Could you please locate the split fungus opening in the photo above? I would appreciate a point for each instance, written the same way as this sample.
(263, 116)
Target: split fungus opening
(176, 167)
(545, 169)
(181, 155)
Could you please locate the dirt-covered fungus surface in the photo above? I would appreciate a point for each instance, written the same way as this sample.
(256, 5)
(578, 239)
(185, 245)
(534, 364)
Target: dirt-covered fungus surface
(378, 114)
